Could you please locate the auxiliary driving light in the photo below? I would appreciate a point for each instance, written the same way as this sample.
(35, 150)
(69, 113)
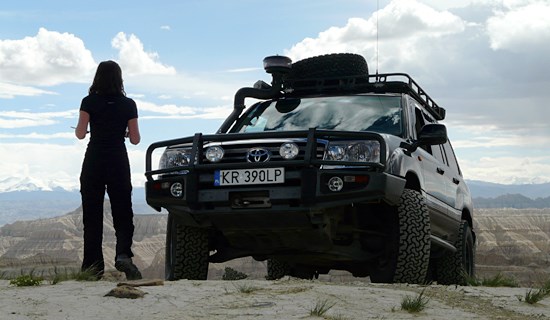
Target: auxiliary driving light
(289, 150)
(335, 184)
(176, 190)
(214, 154)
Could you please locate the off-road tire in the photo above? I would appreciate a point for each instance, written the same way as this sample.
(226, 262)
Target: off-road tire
(186, 251)
(408, 261)
(276, 269)
(455, 267)
(329, 65)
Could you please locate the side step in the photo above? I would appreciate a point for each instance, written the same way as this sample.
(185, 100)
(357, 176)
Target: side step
(442, 243)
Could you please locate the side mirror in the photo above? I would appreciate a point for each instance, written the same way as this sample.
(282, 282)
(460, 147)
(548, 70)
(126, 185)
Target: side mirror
(430, 134)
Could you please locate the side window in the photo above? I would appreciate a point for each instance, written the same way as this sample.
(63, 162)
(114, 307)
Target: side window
(437, 152)
(453, 164)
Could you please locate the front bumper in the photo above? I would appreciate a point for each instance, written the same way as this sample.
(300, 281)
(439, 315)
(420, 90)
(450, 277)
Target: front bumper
(305, 188)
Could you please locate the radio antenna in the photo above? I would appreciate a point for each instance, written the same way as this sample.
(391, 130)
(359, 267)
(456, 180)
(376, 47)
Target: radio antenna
(377, 9)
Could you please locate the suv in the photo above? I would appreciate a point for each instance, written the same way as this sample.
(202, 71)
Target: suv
(332, 168)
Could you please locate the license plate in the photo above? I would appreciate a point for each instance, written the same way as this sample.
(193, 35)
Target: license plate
(249, 176)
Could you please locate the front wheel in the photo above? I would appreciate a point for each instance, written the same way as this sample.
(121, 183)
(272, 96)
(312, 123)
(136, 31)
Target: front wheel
(186, 251)
(407, 253)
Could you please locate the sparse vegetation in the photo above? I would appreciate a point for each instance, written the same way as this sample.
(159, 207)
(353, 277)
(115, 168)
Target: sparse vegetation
(246, 288)
(415, 304)
(498, 280)
(321, 307)
(232, 274)
(26, 280)
(533, 296)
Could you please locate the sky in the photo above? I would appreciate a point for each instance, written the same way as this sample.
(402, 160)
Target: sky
(485, 61)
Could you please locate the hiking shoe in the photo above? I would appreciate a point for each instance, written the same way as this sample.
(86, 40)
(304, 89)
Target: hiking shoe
(129, 268)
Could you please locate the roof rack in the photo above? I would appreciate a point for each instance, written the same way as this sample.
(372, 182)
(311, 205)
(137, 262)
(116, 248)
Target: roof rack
(379, 83)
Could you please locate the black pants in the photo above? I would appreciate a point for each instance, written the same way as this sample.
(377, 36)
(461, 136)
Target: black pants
(105, 170)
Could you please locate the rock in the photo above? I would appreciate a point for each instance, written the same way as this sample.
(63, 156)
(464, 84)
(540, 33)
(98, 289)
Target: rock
(127, 292)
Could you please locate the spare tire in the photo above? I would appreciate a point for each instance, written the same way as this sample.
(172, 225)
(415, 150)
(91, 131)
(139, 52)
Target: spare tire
(328, 66)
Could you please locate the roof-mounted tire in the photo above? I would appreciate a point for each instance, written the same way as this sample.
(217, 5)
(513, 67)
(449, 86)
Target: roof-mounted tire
(329, 66)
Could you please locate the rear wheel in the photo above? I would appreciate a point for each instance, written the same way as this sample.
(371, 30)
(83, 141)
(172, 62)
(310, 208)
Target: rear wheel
(407, 253)
(276, 269)
(186, 251)
(456, 267)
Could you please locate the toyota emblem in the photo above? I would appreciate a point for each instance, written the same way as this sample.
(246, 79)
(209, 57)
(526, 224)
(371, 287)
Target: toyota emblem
(258, 155)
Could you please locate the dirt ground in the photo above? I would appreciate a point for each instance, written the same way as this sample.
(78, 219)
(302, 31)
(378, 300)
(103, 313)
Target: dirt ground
(287, 298)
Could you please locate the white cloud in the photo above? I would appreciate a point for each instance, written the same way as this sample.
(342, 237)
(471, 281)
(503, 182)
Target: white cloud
(172, 111)
(165, 27)
(520, 26)
(9, 91)
(507, 170)
(401, 24)
(39, 136)
(134, 60)
(17, 119)
(49, 58)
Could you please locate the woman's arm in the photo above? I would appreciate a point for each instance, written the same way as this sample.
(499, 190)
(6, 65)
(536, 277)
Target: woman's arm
(82, 127)
(133, 131)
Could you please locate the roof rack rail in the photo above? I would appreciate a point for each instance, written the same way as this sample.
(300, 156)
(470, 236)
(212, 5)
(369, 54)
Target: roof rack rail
(379, 83)
(424, 98)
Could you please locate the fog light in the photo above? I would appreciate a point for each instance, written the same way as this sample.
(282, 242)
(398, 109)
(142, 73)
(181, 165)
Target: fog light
(289, 150)
(176, 190)
(335, 184)
(214, 154)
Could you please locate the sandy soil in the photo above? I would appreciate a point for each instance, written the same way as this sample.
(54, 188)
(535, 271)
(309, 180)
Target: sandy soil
(259, 299)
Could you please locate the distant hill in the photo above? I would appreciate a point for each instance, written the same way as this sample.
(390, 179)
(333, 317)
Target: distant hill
(31, 205)
(516, 201)
(482, 189)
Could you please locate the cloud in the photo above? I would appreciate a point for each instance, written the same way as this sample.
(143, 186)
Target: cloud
(165, 27)
(10, 91)
(401, 25)
(172, 111)
(520, 26)
(49, 58)
(507, 169)
(17, 119)
(134, 60)
(39, 136)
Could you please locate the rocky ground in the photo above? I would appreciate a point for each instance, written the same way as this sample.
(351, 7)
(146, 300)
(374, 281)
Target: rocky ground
(287, 298)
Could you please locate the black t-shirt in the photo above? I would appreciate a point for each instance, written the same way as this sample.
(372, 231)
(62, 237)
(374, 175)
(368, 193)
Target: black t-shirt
(109, 117)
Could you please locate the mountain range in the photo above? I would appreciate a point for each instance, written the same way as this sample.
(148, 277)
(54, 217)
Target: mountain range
(28, 199)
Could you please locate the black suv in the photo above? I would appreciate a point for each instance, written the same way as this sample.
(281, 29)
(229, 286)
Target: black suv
(333, 168)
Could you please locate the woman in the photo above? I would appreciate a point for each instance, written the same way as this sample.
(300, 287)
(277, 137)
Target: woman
(112, 118)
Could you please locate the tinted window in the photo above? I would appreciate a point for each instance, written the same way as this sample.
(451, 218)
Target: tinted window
(347, 113)
(438, 153)
(451, 159)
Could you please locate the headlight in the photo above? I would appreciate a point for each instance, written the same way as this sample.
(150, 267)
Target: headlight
(176, 157)
(353, 151)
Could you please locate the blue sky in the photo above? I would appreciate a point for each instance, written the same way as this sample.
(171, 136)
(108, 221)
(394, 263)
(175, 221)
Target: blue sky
(485, 61)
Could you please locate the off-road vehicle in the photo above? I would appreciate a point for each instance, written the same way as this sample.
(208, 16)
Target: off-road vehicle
(330, 168)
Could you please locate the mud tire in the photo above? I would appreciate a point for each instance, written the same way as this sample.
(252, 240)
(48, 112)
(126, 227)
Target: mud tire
(409, 252)
(456, 267)
(186, 251)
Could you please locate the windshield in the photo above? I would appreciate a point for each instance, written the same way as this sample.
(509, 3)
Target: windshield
(376, 113)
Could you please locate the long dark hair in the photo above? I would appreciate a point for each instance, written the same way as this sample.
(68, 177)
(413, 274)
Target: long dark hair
(108, 80)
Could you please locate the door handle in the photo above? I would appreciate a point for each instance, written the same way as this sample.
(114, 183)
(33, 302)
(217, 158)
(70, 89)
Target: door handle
(456, 181)
(440, 171)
